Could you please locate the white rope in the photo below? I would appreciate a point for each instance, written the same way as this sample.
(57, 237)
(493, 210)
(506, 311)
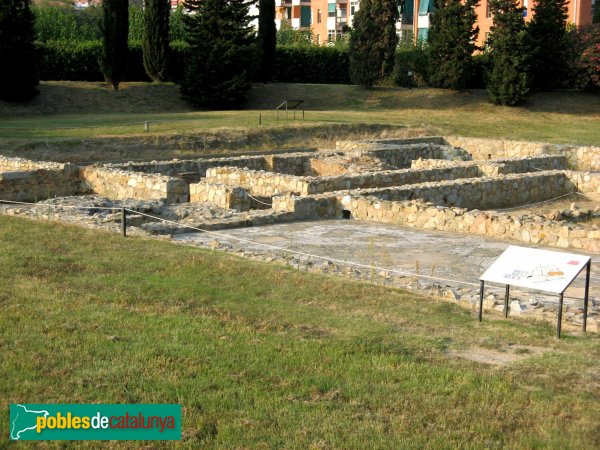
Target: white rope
(537, 203)
(325, 258)
(283, 249)
(257, 200)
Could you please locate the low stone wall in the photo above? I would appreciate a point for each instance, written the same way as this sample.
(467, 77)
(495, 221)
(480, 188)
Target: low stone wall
(270, 184)
(485, 193)
(529, 229)
(121, 184)
(500, 166)
(259, 182)
(585, 182)
(8, 164)
(224, 196)
(579, 157)
(371, 144)
(40, 184)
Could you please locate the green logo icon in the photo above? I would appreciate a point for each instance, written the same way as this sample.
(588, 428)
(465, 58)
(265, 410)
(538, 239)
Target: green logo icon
(95, 422)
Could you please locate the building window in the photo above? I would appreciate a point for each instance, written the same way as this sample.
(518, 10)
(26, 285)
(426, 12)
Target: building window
(288, 13)
(331, 10)
(319, 16)
(330, 35)
(318, 39)
(488, 10)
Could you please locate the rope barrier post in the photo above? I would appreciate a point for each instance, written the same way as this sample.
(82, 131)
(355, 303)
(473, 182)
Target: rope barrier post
(506, 296)
(260, 119)
(124, 221)
(147, 126)
(481, 300)
(559, 321)
(586, 294)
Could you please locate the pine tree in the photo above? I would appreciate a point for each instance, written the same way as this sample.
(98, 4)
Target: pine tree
(389, 37)
(156, 38)
(267, 37)
(549, 44)
(19, 75)
(115, 51)
(508, 82)
(451, 42)
(221, 54)
(366, 56)
(596, 13)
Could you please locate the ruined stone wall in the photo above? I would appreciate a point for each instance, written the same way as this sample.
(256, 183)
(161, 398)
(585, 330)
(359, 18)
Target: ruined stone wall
(223, 196)
(500, 166)
(258, 182)
(377, 143)
(485, 193)
(40, 184)
(579, 157)
(528, 229)
(585, 182)
(121, 184)
(8, 164)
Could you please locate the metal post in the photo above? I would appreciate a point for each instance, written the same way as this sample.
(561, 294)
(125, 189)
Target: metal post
(560, 308)
(147, 125)
(260, 119)
(481, 300)
(506, 295)
(294, 114)
(586, 294)
(124, 221)
(302, 114)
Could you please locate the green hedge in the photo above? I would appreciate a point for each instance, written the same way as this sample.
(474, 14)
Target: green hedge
(325, 65)
(78, 61)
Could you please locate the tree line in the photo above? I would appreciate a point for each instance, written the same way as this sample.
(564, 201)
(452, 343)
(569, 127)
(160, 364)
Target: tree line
(226, 53)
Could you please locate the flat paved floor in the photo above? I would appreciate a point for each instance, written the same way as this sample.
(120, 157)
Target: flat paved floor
(455, 258)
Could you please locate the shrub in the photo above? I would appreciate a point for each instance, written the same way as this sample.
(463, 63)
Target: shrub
(412, 67)
(324, 65)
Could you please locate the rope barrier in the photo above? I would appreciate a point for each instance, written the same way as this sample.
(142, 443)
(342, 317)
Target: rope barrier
(257, 200)
(537, 203)
(272, 247)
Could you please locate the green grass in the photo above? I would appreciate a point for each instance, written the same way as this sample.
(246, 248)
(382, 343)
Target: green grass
(67, 112)
(261, 356)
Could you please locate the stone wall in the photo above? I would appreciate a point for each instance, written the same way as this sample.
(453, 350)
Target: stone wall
(8, 164)
(485, 193)
(585, 182)
(579, 157)
(121, 184)
(371, 144)
(499, 166)
(259, 182)
(528, 229)
(224, 196)
(40, 184)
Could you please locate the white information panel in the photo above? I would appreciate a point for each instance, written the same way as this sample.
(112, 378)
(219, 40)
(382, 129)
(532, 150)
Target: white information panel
(535, 269)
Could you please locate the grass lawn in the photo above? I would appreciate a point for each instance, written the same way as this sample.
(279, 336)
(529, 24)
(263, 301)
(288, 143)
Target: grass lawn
(261, 356)
(69, 113)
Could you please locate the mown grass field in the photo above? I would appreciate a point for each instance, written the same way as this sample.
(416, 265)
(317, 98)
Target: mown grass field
(67, 114)
(262, 356)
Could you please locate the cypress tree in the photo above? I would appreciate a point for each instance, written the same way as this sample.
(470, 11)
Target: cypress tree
(115, 51)
(389, 37)
(267, 37)
(451, 42)
(156, 38)
(366, 56)
(508, 81)
(19, 76)
(221, 53)
(549, 41)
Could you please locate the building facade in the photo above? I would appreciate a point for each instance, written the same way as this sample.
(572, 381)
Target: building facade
(330, 20)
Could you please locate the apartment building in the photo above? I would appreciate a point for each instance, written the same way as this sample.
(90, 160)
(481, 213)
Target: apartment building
(331, 19)
(580, 13)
